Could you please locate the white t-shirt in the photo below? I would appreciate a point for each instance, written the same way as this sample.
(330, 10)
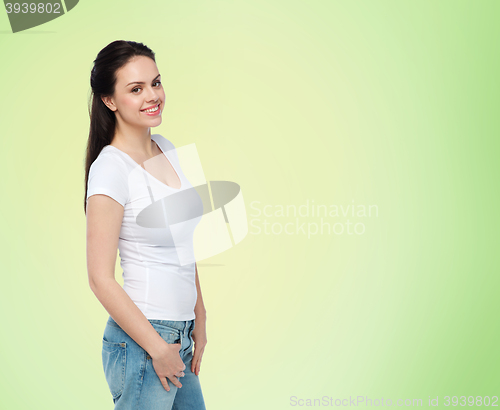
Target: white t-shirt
(156, 236)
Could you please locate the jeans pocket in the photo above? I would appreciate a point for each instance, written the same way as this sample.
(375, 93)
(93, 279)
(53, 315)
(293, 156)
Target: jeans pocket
(114, 357)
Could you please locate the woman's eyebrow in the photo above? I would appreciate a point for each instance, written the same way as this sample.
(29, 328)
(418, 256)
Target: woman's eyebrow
(141, 82)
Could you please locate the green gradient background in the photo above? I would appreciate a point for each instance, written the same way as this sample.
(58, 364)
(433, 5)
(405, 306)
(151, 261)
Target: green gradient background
(388, 103)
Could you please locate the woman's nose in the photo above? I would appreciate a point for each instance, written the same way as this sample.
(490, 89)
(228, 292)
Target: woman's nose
(154, 95)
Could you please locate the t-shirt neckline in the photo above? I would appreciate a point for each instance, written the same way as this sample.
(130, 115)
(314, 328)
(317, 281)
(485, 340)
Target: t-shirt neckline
(151, 176)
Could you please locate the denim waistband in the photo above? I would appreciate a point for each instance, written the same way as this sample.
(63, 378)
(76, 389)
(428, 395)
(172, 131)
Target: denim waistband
(182, 325)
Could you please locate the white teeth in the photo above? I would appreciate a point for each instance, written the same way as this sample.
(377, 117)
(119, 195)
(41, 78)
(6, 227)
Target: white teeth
(153, 109)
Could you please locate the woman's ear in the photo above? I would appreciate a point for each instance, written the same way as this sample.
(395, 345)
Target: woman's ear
(109, 103)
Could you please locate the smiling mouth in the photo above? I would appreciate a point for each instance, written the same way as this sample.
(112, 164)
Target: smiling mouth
(156, 108)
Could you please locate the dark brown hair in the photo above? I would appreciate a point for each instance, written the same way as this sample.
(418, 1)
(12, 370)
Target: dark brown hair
(102, 82)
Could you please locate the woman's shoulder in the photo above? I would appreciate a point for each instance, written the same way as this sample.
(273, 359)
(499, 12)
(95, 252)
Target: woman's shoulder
(109, 160)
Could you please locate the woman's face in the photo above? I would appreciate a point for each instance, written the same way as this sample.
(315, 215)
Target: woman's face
(138, 88)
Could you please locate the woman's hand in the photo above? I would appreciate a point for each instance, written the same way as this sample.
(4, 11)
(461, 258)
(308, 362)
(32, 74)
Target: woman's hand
(200, 340)
(168, 364)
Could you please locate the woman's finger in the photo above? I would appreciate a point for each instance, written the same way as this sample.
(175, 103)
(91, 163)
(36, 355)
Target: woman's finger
(198, 354)
(194, 365)
(196, 359)
(164, 382)
(198, 365)
(175, 381)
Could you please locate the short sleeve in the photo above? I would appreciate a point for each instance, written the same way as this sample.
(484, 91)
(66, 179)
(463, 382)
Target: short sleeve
(108, 175)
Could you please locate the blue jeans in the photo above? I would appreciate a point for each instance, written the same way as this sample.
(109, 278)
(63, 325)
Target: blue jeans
(131, 377)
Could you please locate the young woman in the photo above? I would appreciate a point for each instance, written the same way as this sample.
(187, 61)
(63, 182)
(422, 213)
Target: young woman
(155, 336)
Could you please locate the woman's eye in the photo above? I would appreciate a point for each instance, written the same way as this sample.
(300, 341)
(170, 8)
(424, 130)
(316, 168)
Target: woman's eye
(138, 88)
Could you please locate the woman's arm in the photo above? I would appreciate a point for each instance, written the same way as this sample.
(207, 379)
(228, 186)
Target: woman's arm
(199, 309)
(104, 218)
(200, 329)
